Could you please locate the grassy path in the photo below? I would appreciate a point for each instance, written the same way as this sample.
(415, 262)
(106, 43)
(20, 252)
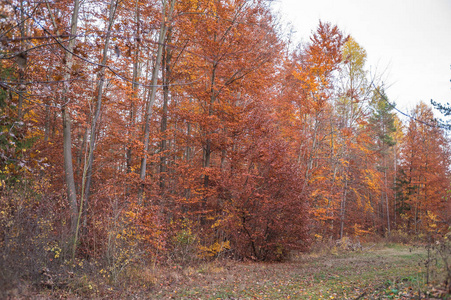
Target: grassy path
(389, 273)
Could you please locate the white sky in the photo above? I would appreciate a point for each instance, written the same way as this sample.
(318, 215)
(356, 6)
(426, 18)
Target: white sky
(408, 40)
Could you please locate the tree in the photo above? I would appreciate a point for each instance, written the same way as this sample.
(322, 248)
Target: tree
(88, 164)
(382, 122)
(351, 111)
(424, 174)
(263, 194)
(321, 59)
(67, 139)
(305, 113)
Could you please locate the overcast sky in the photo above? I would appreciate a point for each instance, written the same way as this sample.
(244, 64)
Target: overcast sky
(408, 40)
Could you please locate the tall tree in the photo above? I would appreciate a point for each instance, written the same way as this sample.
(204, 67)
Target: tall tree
(87, 172)
(425, 172)
(67, 138)
(316, 69)
(382, 122)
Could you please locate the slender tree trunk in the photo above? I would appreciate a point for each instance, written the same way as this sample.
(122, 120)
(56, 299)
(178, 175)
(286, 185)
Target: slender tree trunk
(68, 169)
(55, 26)
(188, 153)
(188, 148)
(394, 182)
(55, 118)
(135, 94)
(386, 203)
(47, 123)
(99, 89)
(164, 117)
(153, 91)
(135, 76)
(67, 139)
(79, 159)
(23, 64)
(312, 154)
(207, 149)
(343, 207)
(87, 172)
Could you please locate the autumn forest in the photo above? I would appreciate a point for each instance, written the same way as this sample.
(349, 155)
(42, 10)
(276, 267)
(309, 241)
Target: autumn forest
(152, 131)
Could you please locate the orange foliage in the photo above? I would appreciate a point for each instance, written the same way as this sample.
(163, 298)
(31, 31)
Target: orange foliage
(253, 145)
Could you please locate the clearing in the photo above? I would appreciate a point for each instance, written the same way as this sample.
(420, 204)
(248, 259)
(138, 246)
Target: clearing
(396, 272)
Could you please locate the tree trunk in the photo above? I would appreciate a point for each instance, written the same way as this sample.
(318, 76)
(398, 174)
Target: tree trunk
(343, 207)
(67, 139)
(151, 100)
(207, 149)
(164, 117)
(68, 169)
(386, 203)
(47, 123)
(394, 182)
(22, 66)
(135, 95)
(87, 172)
(95, 119)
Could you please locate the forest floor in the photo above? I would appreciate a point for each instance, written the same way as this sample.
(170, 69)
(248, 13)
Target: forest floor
(396, 272)
(389, 272)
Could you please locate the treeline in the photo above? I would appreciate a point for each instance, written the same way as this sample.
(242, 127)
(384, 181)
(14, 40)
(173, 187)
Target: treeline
(141, 129)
